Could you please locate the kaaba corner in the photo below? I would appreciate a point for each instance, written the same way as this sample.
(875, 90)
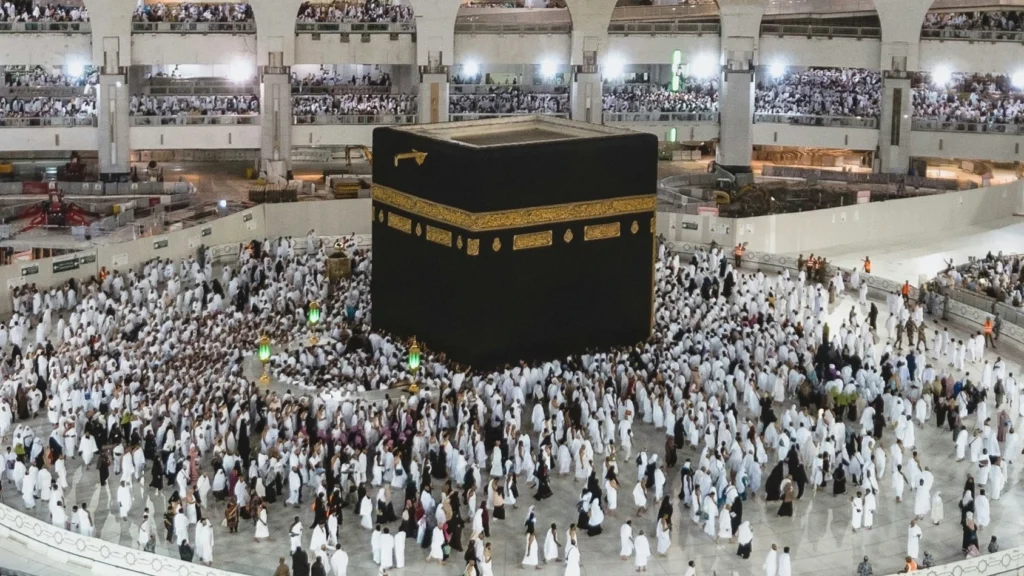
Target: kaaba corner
(526, 238)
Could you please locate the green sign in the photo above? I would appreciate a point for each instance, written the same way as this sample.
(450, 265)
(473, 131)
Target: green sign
(207, 231)
(87, 259)
(160, 244)
(247, 218)
(688, 225)
(30, 270)
(65, 265)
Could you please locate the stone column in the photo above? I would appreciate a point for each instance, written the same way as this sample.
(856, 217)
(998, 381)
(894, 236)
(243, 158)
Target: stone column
(275, 122)
(901, 38)
(590, 19)
(741, 29)
(111, 52)
(435, 53)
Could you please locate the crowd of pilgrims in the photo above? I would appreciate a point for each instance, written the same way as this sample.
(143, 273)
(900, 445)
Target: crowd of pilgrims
(193, 12)
(32, 12)
(146, 105)
(42, 77)
(44, 107)
(141, 372)
(694, 95)
(509, 100)
(975, 98)
(327, 78)
(368, 11)
(997, 276)
(353, 104)
(821, 92)
(996, 20)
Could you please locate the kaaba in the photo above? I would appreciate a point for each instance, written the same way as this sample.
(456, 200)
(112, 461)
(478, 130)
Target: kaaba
(526, 238)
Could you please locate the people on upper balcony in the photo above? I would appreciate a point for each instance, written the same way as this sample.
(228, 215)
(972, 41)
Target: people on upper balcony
(365, 11)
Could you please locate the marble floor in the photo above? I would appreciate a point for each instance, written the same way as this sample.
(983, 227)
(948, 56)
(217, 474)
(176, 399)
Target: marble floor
(819, 535)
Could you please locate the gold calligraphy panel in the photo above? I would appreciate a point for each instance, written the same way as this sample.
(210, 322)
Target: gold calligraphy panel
(602, 231)
(439, 236)
(532, 240)
(400, 223)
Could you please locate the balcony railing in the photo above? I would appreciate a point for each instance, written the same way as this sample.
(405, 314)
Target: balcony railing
(512, 28)
(66, 27)
(820, 31)
(928, 125)
(353, 119)
(807, 120)
(486, 116)
(973, 35)
(47, 121)
(664, 28)
(355, 27)
(194, 27)
(660, 117)
(224, 119)
(340, 89)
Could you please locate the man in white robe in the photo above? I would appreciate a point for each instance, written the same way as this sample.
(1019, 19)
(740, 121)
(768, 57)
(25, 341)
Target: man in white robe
(387, 550)
(124, 500)
(339, 562)
(204, 542)
(857, 511)
(642, 550)
(914, 540)
(771, 562)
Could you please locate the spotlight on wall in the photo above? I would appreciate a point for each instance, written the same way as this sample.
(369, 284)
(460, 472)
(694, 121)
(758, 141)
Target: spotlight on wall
(240, 71)
(222, 204)
(613, 68)
(471, 68)
(76, 69)
(941, 76)
(777, 70)
(703, 66)
(548, 69)
(1018, 79)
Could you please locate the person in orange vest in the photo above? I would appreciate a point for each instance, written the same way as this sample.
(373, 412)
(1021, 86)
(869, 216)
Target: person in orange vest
(867, 265)
(987, 327)
(737, 254)
(906, 290)
(910, 566)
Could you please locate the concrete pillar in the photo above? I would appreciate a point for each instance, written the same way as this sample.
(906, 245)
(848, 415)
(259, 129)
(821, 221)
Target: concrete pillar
(275, 31)
(741, 27)
(435, 53)
(590, 19)
(901, 22)
(275, 123)
(114, 145)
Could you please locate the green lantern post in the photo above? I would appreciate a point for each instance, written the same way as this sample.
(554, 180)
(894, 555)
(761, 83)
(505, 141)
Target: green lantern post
(263, 353)
(414, 364)
(313, 318)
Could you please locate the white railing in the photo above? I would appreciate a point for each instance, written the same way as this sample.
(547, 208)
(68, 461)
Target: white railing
(931, 125)
(808, 120)
(185, 120)
(820, 31)
(660, 117)
(512, 28)
(340, 88)
(348, 119)
(355, 27)
(484, 89)
(664, 28)
(194, 27)
(66, 27)
(486, 116)
(47, 121)
(973, 35)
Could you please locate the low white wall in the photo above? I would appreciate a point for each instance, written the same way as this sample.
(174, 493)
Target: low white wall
(51, 49)
(651, 49)
(160, 49)
(815, 136)
(993, 147)
(820, 51)
(46, 139)
(922, 217)
(329, 49)
(685, 131)
(964, 56)
(511, 48)
(304, 135)
(693, 229)
(213, 137)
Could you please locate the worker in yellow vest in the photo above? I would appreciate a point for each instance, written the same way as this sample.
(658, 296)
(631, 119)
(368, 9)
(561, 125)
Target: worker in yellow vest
(737, 254)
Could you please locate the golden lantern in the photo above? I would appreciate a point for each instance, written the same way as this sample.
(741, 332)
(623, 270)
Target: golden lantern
(263, 353)
(313, 318)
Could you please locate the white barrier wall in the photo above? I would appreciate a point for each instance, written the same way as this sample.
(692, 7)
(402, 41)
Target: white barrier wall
(923, 217)
(994, 147)
(512, 49)
(161, 49)
(649, 49)
(328, 135)
(214, 137)
(330, 49)
(685, 131)
(963, 56)
(46, 139)
(695, 229)
(820, 51)
(815, 136)
(46, 49)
